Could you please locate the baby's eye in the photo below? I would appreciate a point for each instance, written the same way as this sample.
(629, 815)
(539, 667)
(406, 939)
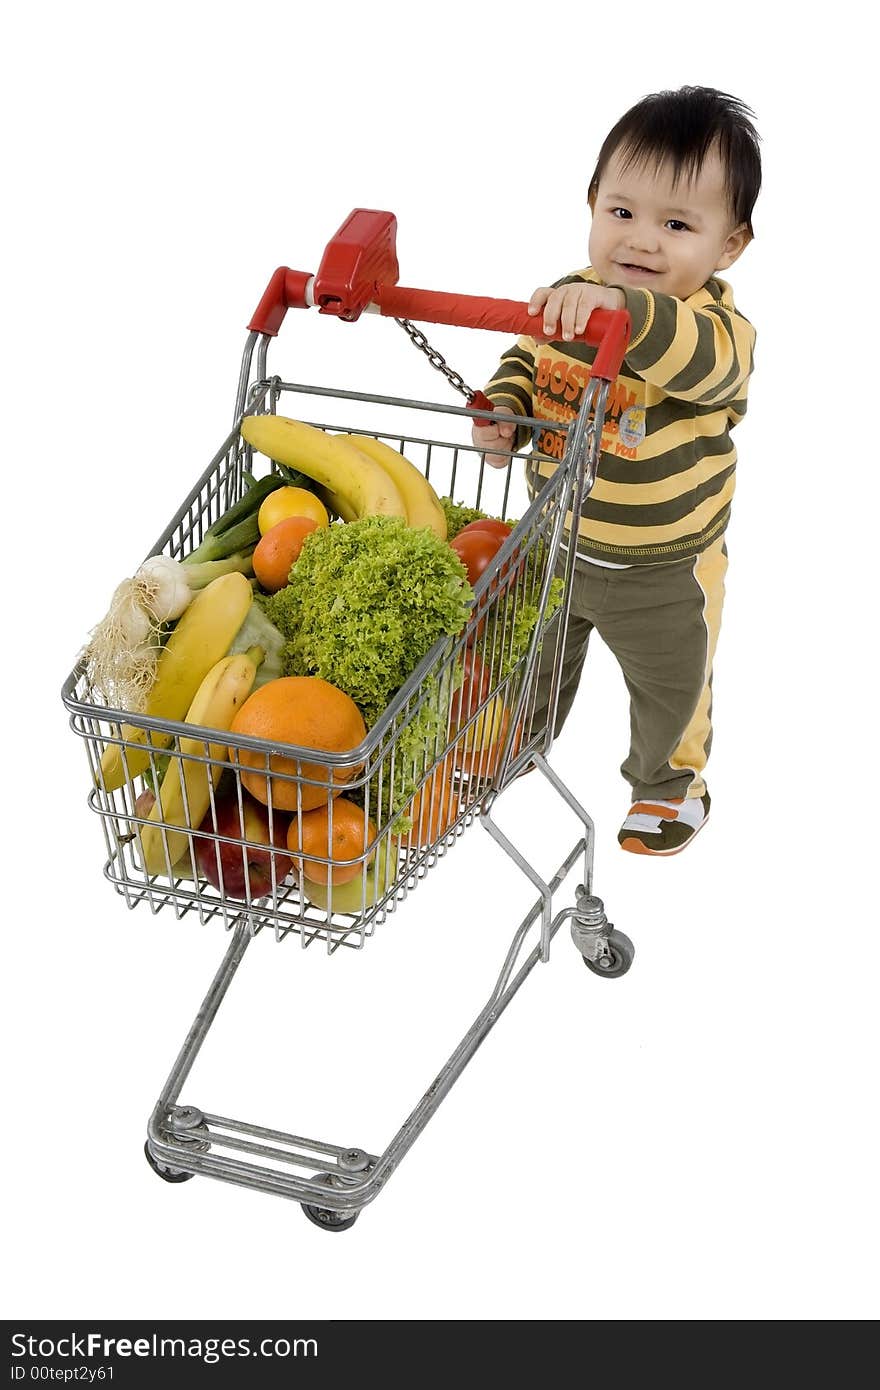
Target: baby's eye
(624, 212)
(677, 226)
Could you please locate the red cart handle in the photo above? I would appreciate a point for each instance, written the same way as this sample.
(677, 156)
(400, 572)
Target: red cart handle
(288, 289)
(607, 329)
(359, 269)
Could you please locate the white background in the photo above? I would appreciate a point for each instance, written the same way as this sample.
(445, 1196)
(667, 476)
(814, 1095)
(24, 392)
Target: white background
(697, 1140)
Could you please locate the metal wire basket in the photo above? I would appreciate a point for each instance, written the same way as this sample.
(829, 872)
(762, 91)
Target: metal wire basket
(479, 730)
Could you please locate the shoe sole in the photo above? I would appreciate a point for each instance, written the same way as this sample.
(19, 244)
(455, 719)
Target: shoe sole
(635, 846)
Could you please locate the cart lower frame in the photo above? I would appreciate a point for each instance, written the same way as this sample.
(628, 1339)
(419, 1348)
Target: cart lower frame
(183, 1140)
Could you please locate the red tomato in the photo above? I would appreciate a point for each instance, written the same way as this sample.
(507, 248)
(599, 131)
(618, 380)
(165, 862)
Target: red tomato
(489, 526)
(494, 528)
(476, 550)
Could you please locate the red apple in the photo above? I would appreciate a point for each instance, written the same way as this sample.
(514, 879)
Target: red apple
(474, 688)
(243, 867)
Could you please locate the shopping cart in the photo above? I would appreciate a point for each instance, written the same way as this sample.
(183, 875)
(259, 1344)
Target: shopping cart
(466, 717)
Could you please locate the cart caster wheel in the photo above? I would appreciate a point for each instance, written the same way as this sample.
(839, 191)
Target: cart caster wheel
(325, 1218)
(166, 1174)
(618, 961)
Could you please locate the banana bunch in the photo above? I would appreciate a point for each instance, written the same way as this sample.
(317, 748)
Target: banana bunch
(362, 476)
(185, 794)
(202, 636)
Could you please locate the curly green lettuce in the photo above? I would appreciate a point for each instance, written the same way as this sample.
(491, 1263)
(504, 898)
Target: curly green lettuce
(458, 516)
(365, 602)
(512, 643)
(419, 743)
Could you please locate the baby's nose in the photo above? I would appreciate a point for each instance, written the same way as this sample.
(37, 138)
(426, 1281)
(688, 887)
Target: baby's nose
(643, 238)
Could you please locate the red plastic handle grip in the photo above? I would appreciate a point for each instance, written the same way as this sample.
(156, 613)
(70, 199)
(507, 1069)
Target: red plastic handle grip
(480, 401)
(286, 290)
(607, 329)
(361, 255)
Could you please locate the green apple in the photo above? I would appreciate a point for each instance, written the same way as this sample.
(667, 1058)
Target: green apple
(356, 896)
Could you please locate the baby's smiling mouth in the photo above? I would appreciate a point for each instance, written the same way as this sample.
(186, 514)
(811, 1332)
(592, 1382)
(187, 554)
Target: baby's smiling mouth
(642, 269)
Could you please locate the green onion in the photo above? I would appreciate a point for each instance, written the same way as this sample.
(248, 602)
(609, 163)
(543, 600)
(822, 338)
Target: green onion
(237, 528)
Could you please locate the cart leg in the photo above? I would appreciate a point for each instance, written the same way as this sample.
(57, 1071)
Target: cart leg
(527, 868)
(171, 1129)
(544, 888)
(505, 988)
(605, 951)
(572, 802)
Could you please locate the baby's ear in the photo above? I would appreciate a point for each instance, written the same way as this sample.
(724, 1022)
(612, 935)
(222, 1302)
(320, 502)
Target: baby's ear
(734, 246)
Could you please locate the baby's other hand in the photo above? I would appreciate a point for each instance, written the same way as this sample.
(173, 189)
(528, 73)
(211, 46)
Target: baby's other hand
(570, 306)
(500, 434)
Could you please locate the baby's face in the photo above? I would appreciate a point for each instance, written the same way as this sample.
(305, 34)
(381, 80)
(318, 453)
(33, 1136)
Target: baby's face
(649, 235)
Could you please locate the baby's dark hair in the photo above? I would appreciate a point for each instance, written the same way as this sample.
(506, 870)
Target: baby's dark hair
(680, 128)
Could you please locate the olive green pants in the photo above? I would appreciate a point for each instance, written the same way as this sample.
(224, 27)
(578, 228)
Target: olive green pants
(661, 622)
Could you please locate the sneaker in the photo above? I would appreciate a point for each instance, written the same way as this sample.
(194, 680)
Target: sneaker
(663, 827)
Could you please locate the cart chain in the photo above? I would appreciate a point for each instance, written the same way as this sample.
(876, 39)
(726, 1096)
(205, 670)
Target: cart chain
(436, 358)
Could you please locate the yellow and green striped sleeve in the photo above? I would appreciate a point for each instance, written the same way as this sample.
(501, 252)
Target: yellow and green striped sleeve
(699, 349)
(511, 385)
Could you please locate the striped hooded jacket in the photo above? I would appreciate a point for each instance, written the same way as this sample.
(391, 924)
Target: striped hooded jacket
(666, 472)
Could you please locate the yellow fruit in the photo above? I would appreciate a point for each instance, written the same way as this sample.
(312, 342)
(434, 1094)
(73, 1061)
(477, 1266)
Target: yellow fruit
(344, 470)
(185, 794)
(421, 501)
(291, 501)
(202, 636)
(489, 726)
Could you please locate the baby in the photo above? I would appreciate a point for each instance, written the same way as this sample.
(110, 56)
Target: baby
(671, 199)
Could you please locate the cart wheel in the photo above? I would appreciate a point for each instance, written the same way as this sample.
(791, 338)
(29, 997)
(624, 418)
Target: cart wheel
(618, 961)
(325, 1218)
(166, 1174)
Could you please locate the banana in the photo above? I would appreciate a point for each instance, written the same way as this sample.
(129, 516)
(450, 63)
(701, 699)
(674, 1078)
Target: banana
(185, 794)
(421, 501)
(339, 504)
(350, 475)
(202, 636)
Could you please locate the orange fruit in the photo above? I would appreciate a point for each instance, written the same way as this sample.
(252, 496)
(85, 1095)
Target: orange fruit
(279, 549)
(290, 501)
(308, 712)
(433, 810)
(311, 838)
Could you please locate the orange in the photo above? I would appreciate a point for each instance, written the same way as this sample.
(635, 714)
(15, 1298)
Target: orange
(311, 836)
(279, 550)
(433, 810)
(290, 501)
(308, 712)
